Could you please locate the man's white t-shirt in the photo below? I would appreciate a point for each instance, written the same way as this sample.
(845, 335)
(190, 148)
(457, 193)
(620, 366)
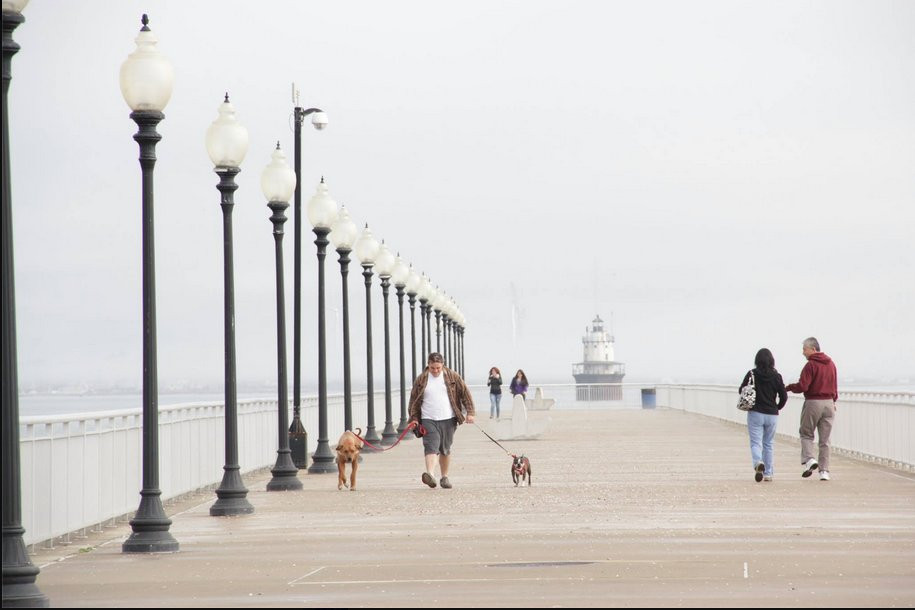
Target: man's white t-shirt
(436, 405)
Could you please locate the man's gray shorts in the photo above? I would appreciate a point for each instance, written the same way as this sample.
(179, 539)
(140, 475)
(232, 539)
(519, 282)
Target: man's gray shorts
(439, 435)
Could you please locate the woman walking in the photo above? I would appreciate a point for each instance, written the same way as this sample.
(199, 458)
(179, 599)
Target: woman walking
(762, 419)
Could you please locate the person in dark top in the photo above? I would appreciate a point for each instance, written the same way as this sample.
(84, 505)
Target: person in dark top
(762, 419)
(495, 391)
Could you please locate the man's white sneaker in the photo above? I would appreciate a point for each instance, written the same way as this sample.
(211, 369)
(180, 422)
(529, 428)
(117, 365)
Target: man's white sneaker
(824, 475)
(809, 467)
(767, 477)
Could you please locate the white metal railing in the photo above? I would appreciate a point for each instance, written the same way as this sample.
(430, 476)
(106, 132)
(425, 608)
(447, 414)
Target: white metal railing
(877, 426)
(82, 470)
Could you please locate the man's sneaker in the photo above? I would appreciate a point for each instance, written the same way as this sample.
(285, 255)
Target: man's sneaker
(446, 484)
(760, 469)
(824, 475)
(429, 480)
(768, 477)
(809, 467)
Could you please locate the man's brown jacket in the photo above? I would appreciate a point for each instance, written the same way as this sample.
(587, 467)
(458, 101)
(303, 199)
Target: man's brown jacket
(458, 395)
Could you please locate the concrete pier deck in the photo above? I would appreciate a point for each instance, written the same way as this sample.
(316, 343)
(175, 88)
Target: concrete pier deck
(627, 508)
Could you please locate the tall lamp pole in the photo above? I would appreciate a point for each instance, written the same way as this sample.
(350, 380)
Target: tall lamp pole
(452, 325)
(385, 264)
(146, 84)
(463, 351)
(445, 342)
(343, 235)
(428, 292)
(227, 144)
(278, 184)
(437, 306)
(297, 430)
(421, 293)
(19, 573)
(413, 284)
(322, 212)
(400, 276)
(366, 251)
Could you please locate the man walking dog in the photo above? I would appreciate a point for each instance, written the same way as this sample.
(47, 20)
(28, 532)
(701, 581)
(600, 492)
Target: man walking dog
(438, 402)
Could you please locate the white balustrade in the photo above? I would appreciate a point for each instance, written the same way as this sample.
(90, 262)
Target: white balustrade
(82, 470)
(877, 426)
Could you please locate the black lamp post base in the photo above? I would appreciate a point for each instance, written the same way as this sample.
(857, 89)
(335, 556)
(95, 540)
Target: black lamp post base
(150, 542)
(25, 595)
(284, 482)
(19, 574)
(285, 474)
(389, 436)
(232, 496)
(323, 461)
(150, 527)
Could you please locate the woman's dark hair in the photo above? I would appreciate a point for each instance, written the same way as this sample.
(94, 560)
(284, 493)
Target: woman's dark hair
(523, 376)
(496, 369)
(765, 361)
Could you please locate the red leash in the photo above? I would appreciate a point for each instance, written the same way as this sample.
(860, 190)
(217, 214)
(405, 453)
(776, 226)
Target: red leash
(409, 427)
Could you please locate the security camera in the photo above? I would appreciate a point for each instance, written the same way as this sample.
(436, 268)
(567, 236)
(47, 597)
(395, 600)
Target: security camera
(319, 120)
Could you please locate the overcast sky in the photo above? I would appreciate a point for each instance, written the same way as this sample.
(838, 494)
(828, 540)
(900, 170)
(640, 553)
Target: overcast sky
(716, 176)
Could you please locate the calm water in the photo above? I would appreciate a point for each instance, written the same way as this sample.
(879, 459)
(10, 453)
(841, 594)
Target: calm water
(58, 404)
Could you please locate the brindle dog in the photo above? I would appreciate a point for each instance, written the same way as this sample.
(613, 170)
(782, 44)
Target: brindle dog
(521, 469)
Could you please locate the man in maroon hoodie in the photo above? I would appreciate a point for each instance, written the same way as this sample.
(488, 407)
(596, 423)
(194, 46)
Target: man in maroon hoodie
(818, 383)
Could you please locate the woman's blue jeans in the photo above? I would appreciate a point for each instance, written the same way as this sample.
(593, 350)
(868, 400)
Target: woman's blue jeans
(494, 400)
(762, 435)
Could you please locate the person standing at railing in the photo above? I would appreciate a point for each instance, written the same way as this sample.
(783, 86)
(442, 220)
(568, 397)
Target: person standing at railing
(519, 384)
(818, 382)
(762, 419)
(495, 391)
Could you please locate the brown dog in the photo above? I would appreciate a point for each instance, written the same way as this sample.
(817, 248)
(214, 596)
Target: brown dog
(521, 469)
(348, 448)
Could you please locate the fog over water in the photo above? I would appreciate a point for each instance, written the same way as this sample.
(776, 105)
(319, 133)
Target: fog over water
(716, 177)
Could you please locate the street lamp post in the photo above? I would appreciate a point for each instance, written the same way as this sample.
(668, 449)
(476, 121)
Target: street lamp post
(428, 292)
(278, 184)
(146, 83)
(413, 284)
(227, 143)
(366, 251)
(19, 573)
(437, 306)
(385, 264)
(452, 324)
(400, 276)
(445, 343)
(322, 212)
(343, 235)
(422, 321)
(463, 329)
(297, 430)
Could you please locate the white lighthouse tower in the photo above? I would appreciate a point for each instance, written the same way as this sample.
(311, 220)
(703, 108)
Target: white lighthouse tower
(598, 366)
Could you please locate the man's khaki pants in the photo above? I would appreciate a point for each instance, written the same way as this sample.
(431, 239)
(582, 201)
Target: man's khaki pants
(817, 415)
